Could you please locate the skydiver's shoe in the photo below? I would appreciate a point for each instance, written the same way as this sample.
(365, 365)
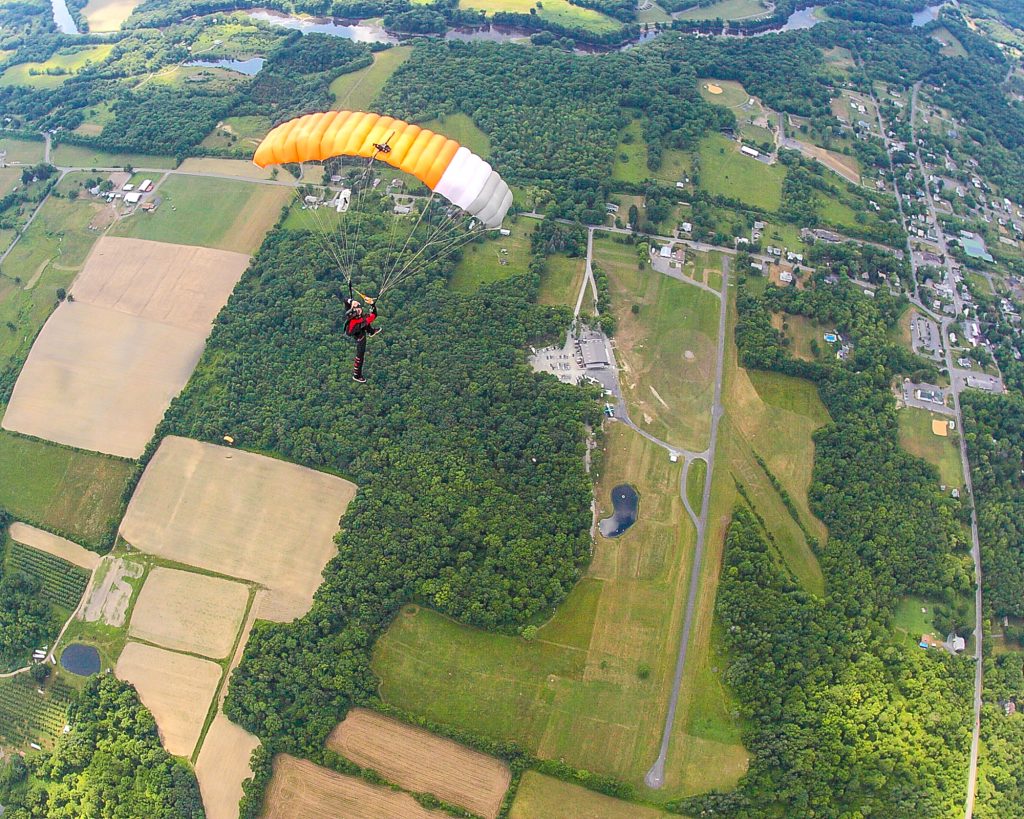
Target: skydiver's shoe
(358, 379)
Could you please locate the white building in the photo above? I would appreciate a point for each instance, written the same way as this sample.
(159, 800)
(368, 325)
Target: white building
(746, 149)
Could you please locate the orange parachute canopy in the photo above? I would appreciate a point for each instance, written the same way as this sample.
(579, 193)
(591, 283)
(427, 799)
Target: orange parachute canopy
(440, 163)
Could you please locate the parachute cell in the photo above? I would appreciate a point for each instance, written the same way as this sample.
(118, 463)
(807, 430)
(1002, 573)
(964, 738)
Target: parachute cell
(440, 163)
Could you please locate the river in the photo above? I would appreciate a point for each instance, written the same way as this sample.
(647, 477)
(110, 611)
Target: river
(62, 17)
(926, 16)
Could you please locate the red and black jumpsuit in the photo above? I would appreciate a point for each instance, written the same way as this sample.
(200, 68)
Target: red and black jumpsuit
(359, 327)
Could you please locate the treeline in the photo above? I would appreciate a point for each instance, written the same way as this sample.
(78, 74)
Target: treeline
(109, 765)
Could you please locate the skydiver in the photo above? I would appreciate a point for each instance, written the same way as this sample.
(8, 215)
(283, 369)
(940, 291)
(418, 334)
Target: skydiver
(359, 326)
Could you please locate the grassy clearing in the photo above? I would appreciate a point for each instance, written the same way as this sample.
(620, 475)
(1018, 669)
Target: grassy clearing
(652, 15)
(62, 65)
(481, 262)
(695, 483)
(463, 130)
(592, 688)
(82, 157)
(913, 618)
(69, 490)
(732, 93)
(727, 172)
(562, 280)
(666, 351)
(540, 795)
(10, 178)
(29, 151)
(917, 438)
(631, 155)
(243, 133)
(951, 46)
(557, 11)
(725, 10)
(799, 332)
(208, 212)
(676, 165)
(357, 90)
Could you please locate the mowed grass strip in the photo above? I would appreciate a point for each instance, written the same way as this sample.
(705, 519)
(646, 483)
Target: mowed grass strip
(543, 796)
(419, 761)
(217, 213)
(357, 90)
(301, 788)
(942, 452)
(64, 489)
(724, 171)
(562, 279)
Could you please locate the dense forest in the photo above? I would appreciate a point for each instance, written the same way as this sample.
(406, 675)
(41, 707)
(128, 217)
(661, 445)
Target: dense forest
(110, 765)
(842, 719)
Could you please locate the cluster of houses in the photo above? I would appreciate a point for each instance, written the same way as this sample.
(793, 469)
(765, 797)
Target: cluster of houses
(129, 193)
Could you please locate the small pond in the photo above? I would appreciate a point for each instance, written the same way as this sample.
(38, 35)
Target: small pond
(62, 17)
(624, 501)
(250, 67)
(926, 15)
(80, 659)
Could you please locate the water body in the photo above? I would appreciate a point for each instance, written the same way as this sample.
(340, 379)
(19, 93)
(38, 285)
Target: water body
(62, 17)
(494, 34)
(80, 659)
(926, 16)
(324, 25)
(250, 67)
(801, 19)
(624, 503)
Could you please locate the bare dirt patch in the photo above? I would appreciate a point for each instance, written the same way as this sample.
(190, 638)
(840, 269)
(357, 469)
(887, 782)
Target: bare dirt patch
(422, 762)
(222, 766)
(55, 545)
(178, 689)
(110, 592)
(713, 89)
(191, 612)
(301, 788)
(241, 515)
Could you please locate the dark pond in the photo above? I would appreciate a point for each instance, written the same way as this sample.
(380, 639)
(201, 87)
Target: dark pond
(80, 659)
(250, 67)
(926, 15)
(624, 502)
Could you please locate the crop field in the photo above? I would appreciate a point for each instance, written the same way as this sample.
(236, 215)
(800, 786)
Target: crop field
(666, 351)
(557, 11)
(631, 155)
(302, 788)
(28, 716)
(54, 545)
(186, 611)
(481, 262)
(195, 505)
(68, 490)
(243, 213)
(562, 280)
(107, 15)
(592, 688)
(727, 172)
(105, 366)
(67, 62)
(357, 90)
(177, 688)
(421, 762)
(222, 766)
(943, 453)
(725, 10)
(62, 582)
(540, 795)
(29, 151)
(463, 130)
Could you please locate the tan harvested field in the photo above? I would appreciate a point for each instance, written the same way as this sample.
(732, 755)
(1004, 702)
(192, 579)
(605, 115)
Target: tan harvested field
(302, 788)
(105, 366)
(241, 515)
(178, 689)
(422, 762)
(222, 766)
(240, 168)
(186, 611)
(55, 545)
(845, 166)
(542, 796)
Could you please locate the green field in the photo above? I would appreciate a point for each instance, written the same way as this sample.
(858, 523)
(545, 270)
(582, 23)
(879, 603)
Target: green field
(917, 438)
(562, 280)
(68, 490)
(209, 212)
(733, 94)
(244, 133)
(463, 130)
(10, 178)
(29, 151)
(541, 796)
(652, 15)
(557, 11)
(800, 332)
(357, 90)
(81, 157)
(668, 392)
(725, 10)
(28, 716)
(724, 171)
(695, 484)
(592, 687)
(481, 262)
(95, 119)
(631, 156)
(911, 622)
(62, 583)
(675, 164)
(68, 61)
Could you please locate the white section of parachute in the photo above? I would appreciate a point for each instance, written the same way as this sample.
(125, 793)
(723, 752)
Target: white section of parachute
(470, 183)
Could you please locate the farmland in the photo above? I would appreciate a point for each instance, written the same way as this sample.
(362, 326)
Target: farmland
(300, 788)
(631, 155)
(28, 151)
(726, 10)
(62, 583)
(482, 261)
(540, 795)
(54, 545)
(222, 766)
(357, 90)
(557, 11)
(421, 762)
(28, 716)
(57, 69)
(80, 156)
(64, 489)
(727, 172)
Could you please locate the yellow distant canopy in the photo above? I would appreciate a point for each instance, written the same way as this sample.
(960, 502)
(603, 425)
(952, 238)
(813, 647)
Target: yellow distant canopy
(440, 163)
